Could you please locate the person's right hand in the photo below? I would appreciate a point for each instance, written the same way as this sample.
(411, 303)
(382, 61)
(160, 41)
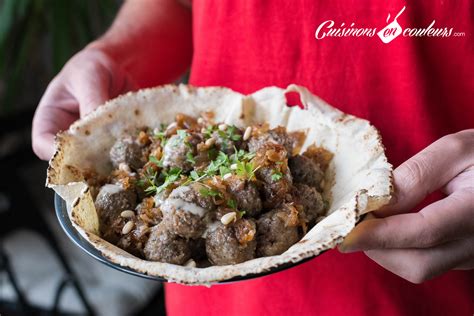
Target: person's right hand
(88, 79)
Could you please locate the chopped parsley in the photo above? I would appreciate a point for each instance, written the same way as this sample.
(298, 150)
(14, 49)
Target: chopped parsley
(210, 192)
(276, 175)
(148, 181)
(232, 204)
(155, 160)
(170, 177)
(241, 213)
(245, 169)
(161, 134)
(182, 137)
(194, 175)
(190, 158)
(182, 134)
(209, 130)
(231, 133)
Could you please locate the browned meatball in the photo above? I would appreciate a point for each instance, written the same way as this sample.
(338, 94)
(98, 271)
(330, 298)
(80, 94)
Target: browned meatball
(135, 240)
(164, 246)
(277, 135)
(245, 194)
(223, 246)
(306, 171)
(274, 191)
(111, 201)
(180, 150)
(186, 210)
(274, 234)
(128, 151)
(148, 212)
(311, 200)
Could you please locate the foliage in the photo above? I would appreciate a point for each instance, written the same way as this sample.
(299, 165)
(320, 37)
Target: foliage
(60, 27)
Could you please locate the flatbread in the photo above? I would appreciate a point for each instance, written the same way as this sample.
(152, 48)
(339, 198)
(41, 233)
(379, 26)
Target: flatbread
(358, 181)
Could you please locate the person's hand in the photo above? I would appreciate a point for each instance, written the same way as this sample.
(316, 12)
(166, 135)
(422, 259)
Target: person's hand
(89, 79)
(439, 238)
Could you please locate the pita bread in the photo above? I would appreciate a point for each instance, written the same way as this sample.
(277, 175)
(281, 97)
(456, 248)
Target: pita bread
(359, 178)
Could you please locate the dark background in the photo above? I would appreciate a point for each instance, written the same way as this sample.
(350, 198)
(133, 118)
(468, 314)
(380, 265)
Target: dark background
(37, 37)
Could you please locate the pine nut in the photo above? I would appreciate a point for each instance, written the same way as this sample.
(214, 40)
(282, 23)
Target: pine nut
(127, 227)
(127, 214)
(233, 166)
(124, 167)
(248, 132)
(227, 176)
(190, 263)
(210, 142)
(222, 127)
(200, 121)
(228, 218)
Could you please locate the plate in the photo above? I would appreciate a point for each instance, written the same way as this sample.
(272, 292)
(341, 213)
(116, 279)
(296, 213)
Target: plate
(81, 242)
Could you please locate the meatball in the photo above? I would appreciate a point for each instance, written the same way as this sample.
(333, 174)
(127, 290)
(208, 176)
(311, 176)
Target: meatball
(164, 246)
(180, 150)
(128, 151)
(135, 240)
(186, 210)
(149, 212)
(111, 201)
(277, 135)
(306, 171)
(274, 233)
(311, 200)
(223, 246)
(274, 190)
(245, 194)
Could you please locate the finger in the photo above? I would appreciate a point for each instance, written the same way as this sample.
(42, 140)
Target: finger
(97, 81)
(92, 87)
(448, 219)
(55, 112)
(464, 180)
(419, 265)
(429, 170)
(467, 265)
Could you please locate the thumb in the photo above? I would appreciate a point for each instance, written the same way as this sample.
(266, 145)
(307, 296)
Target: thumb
(92, 92)
(99, 79)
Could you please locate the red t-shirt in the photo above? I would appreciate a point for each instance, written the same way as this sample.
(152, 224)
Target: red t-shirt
(413, 89)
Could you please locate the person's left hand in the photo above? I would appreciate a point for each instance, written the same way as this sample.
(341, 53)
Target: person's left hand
(440, 237)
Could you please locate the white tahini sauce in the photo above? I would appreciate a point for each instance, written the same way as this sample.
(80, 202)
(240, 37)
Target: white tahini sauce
(158, 198)
(179, 204)
(212, 226)
(111, 189)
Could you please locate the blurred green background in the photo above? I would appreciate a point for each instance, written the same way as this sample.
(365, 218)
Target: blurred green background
(37, 37)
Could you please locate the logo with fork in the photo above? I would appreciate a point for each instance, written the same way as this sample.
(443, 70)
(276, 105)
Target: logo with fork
(392, 30)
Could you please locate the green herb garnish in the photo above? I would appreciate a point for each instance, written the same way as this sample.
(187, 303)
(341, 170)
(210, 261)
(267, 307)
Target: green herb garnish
(245, 169)
(148, 181)
(171, 176)
(161, 134)
(277, 175)
(155, 160)
(190, 158)
(241, 213)
(232, 204)
(209, 192)
(182, 133)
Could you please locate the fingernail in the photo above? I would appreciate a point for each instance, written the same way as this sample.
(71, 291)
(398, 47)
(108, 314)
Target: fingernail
(347, 247)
